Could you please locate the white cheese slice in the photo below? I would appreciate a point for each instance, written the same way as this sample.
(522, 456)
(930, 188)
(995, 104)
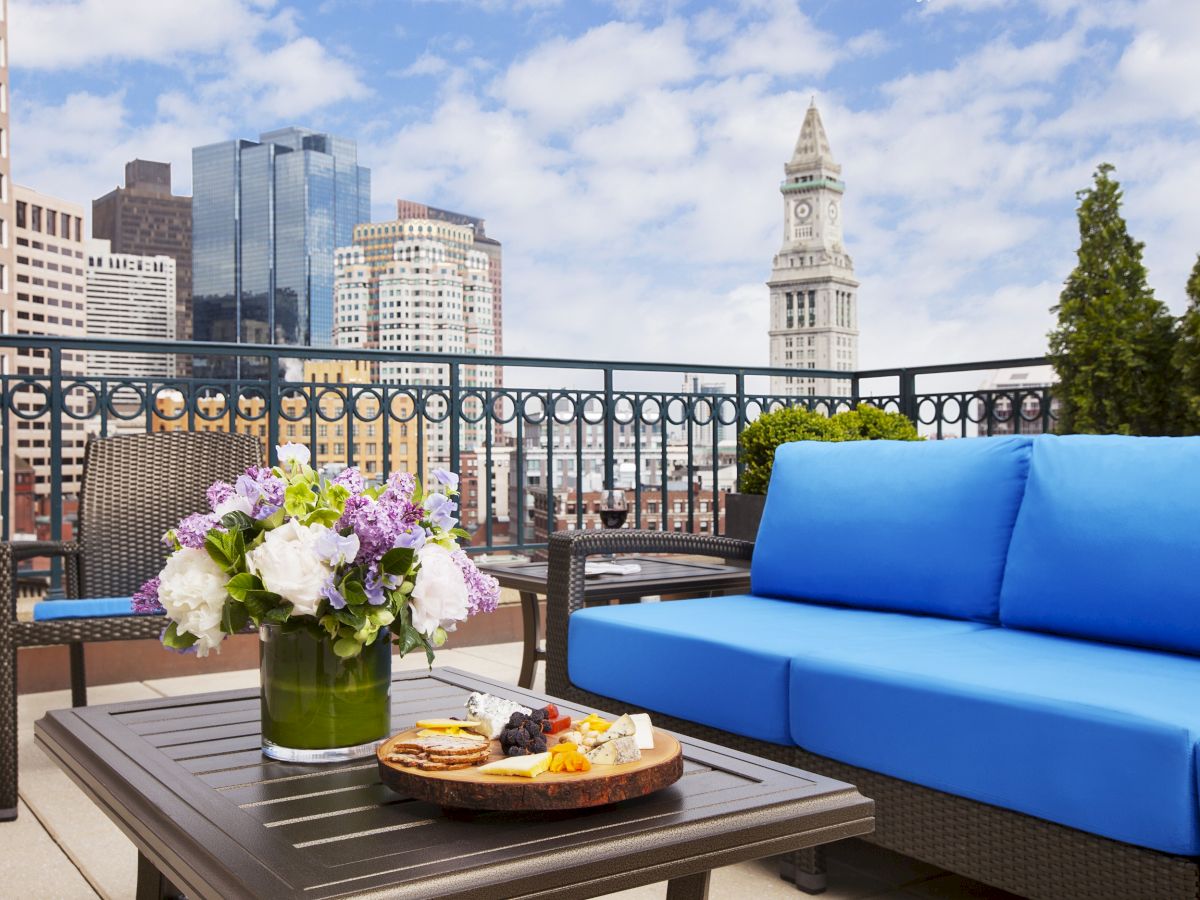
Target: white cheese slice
(622, 727)
(645, 731)
(523, 766)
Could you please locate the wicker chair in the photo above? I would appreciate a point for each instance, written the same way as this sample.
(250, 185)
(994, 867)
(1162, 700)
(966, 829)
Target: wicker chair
(1018, 853)
(134, 488)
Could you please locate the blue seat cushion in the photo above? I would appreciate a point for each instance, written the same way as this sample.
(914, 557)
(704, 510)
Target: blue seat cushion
(720, 661)
(1097, 737)
(103, 607)
(918, 527)
(1106, 545)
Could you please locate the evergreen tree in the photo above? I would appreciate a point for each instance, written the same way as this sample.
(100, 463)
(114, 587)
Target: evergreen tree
(1187, 354)
(1112, 347)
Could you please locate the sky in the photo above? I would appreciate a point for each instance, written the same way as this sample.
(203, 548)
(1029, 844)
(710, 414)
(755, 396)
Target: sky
(628, 153)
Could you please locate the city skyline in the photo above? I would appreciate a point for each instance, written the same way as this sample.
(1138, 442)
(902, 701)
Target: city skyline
(630, 153)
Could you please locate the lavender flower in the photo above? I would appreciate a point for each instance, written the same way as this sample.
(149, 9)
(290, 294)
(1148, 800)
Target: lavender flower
(373, 585)
(412, 537)
(483, 591)
(441, 511)
(218, 493)
(263, 489)
(446, 477)
(145, 599)
(192, 530)
(336, 549)
(330, 592)
(351, 479)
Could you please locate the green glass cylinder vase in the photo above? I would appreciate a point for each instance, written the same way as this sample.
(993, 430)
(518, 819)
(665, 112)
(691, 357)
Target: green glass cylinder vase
(318, 707)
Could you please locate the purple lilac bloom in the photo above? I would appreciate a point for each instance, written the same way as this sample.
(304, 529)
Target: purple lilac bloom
(441, 511)
(446, 477)
(192, 530)
(218, 493)
(402, 484)
(263, 489)
(330, 592)
(483, 591)
(351, 479)
(145, 598)
(373, 522)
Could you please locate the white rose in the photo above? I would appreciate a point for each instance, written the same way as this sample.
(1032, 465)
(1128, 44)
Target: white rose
(192, 591)
(234, 503)
(288, 564)
(439, 598)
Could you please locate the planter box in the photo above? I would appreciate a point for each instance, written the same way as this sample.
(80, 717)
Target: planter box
(742, 515)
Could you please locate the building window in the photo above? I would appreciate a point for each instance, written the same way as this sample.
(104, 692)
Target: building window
(35, 219)
(21, 211)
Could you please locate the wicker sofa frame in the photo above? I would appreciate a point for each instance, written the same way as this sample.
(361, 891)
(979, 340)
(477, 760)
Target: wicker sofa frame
(134, 488)
(1009, 850)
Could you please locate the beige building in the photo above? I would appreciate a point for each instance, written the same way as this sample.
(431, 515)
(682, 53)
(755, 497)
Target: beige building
(814, 296)
(8, 298)
(130, 296)
(334, 434)
(51, 299)
(419, 285)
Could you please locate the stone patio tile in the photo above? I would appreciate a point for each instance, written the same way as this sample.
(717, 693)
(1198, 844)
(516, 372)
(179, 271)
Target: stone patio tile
(33, 865)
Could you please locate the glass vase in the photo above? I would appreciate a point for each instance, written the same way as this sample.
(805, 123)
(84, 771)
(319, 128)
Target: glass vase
(318, 707)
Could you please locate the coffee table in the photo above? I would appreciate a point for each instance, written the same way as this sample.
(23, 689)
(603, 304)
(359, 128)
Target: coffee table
(184, 778)
(658, 576)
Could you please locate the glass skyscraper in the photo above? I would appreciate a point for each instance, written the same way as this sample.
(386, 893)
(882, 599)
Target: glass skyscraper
(266, 218)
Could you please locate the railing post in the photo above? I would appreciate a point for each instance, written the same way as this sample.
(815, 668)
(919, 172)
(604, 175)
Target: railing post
(855, 391)
(56, 463)
(274, 405)
(610, 433)
(455, 413)
(908, 394)
(739, 421)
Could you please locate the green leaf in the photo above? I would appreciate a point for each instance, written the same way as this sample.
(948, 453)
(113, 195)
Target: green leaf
(352, 618)
(237, 521)
(322, 516)
(330, 624)
(346, 647)
(397, 561)
(461, 533)
(259, 603)
(242, 584)
(214, 543)
(410, 639)
(176, 641)
(296, 499)
(439, 637)
(233, 618)
(277, 615)
(353, 591)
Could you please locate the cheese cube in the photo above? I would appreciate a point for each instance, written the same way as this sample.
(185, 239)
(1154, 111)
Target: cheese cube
(645, 731)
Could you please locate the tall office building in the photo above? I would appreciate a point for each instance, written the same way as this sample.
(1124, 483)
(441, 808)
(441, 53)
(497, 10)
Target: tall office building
(144, 218)
(51, 288)
(8, 300)
(411, 209)
(266, 219)
(419, 285)
(130, 296)
(814, 297)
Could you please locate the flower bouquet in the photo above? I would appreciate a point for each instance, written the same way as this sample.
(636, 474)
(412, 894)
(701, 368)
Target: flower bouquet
(331, 572)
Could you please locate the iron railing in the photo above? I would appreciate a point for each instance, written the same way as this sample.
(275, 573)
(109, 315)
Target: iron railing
(534, 454)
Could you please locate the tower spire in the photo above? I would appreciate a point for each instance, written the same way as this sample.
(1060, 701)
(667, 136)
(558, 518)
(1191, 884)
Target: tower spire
(812, 146)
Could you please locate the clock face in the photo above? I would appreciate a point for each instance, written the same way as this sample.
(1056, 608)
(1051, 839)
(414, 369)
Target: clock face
(803, 210)
(833, 211)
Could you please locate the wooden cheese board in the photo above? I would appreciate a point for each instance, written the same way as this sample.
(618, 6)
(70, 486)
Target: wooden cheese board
(658, 768)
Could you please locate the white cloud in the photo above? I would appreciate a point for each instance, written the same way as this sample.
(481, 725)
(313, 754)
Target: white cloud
(292, 80)
(784, 42)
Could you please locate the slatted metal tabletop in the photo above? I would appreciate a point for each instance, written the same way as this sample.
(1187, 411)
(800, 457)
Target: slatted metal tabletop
(184, 779)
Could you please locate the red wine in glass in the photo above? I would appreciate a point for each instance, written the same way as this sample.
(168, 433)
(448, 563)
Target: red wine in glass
(613, 509)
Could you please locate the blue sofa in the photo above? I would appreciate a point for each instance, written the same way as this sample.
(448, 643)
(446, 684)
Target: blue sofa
(997, 637)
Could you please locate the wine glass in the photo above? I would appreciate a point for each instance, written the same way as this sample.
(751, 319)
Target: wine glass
(613, 511)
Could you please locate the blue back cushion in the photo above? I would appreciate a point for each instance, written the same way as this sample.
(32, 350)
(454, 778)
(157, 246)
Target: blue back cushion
(1107, 543)
(916, 527)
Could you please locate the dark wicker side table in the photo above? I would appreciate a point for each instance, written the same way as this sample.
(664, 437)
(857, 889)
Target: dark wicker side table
(659, 575)
(185, 779)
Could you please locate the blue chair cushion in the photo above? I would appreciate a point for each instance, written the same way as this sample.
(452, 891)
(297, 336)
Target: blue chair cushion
(918, 527)
(1107, 543)
(1097, 737)
(720, 661)
(103, 607)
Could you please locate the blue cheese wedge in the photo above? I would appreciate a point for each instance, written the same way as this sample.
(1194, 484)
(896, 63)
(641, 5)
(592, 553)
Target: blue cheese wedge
(622, 727)
(491, 714)
(645, 731)
(614, 752)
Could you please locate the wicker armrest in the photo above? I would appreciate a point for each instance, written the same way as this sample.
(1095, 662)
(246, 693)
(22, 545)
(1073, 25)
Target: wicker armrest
(565, 589)
(31, 549)
(13, 552)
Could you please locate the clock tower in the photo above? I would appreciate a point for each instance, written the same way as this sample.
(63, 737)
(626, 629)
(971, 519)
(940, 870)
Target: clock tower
(814, 297)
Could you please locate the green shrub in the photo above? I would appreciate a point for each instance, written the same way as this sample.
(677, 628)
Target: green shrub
(756, 448)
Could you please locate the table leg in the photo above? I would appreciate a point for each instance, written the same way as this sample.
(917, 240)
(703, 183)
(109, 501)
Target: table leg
(689, 887)
(151, 884)
(531, 617)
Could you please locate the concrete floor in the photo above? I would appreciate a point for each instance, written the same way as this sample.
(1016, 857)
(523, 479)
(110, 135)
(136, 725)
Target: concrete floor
(62, 846)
